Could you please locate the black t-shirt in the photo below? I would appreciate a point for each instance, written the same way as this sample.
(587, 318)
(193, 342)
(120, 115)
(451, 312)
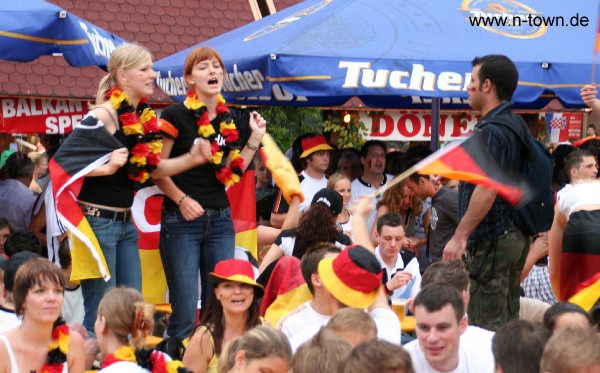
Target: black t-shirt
(200, 182)
(114, 190)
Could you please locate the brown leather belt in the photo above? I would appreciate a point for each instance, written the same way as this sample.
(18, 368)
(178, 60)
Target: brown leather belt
(104, 213)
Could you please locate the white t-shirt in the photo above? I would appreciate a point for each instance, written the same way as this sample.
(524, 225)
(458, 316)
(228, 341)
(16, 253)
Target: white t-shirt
(409, 290)
(8, 320)
(471, 359)
(359, 188)
(572, 197)
(479, 338)
(299, 318)
(310, 186)
(72, 308)
(388, 325)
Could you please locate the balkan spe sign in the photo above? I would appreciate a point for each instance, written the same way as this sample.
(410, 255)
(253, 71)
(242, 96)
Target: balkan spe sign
(40, 115)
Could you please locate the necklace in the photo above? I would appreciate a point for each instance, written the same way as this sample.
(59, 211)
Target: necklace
(152, 360)
(225, 144)
(141, 128)
(58, 348)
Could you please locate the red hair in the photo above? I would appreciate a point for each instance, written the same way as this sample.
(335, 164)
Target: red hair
(198, 55)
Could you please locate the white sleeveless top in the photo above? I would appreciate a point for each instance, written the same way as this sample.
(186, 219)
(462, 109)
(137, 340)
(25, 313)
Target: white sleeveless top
(13, 362)
(11, 356)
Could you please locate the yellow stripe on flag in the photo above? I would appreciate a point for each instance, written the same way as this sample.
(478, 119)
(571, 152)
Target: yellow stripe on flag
(247, 240)
(85, 264)
(587, 297)
(154, 283)
(286, 302)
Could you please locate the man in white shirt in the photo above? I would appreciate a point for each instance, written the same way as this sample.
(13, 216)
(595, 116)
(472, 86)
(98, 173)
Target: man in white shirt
(402, 277)
(372, 158)
(454, 273)
(441, 319)
(315, 161)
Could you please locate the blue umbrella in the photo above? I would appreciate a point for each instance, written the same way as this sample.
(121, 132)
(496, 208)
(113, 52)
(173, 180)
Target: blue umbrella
(392, 53)
(33, 28)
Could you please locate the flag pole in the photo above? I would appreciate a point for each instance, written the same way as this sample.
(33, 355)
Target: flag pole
(394, 181)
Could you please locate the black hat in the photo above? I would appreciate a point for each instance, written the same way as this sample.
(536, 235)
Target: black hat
(13, 264)
(329, 198)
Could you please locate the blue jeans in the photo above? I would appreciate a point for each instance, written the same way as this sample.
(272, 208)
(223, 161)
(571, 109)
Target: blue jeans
(185, 247)
(118, 241)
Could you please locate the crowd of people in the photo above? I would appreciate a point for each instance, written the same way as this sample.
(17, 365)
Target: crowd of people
(342, 243)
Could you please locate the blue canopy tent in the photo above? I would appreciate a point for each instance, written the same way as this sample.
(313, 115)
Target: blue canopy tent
(392, 53)
(33, 28)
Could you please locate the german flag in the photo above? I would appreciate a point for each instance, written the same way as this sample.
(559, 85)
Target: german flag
(242, 199)
(87, 147)
(588, 293)
(468, 160)
(285, 289)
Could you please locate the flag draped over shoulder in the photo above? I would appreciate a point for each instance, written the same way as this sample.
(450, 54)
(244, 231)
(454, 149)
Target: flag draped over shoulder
(469, 160)
(86, 148)
(285, 289)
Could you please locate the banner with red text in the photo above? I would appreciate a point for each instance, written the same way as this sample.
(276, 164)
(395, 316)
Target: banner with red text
(414, 126)
(40, 115)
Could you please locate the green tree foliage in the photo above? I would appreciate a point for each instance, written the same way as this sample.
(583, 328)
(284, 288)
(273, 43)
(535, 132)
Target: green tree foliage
(285, 123)
(346, 135)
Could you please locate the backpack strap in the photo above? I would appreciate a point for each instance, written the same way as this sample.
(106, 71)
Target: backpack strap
(507, 123)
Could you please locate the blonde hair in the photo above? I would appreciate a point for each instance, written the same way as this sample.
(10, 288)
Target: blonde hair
(323, 353)
(36, 157)
(571, 350)
(126, 57)
(127, 315)
(392, 199)
(333, 179)
(259, 343)
(352, 320)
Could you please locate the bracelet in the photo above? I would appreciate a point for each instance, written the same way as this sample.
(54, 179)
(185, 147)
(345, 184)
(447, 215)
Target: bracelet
(387, 291)
(251, 147)
(181, 199)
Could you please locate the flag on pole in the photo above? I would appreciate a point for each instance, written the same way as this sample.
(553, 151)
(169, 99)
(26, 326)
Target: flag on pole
(469, 160)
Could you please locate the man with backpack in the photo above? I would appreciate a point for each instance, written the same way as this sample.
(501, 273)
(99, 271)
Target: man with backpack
(495, 247)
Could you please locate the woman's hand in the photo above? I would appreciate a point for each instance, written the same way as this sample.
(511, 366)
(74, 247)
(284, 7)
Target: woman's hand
(258, 125)
(200, 151)
(118, 158)
(190, 208)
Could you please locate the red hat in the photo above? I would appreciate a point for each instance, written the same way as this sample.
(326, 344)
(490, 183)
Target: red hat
(353, 277)
(239, 271)
(314, 144)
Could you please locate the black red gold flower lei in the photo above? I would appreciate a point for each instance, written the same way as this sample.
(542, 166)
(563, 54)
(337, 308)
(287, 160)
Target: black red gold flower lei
(142, 131)
(152, 360)
(58, 348)
(229, 172)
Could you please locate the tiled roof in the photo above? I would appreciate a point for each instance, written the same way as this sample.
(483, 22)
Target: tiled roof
(163, 26)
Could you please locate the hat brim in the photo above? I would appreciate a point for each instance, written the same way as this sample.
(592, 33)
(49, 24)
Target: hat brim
(259, 290)
(341, 291)
(315, 149)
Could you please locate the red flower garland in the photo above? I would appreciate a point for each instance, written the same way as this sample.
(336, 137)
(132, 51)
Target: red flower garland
(141, 128)
(227, 174)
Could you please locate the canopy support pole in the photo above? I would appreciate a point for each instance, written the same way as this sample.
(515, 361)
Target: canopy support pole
(435, 123)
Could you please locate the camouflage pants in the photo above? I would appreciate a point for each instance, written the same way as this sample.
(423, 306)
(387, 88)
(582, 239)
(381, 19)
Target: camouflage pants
(495, 270)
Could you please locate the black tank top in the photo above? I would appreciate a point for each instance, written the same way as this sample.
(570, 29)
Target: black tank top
(114, 190)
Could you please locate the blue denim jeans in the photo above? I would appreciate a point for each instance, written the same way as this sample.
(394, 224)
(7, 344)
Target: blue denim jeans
(185, 248)
(118, 241)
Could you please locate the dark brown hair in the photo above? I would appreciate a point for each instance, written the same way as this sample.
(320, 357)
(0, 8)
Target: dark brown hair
(34, 272)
